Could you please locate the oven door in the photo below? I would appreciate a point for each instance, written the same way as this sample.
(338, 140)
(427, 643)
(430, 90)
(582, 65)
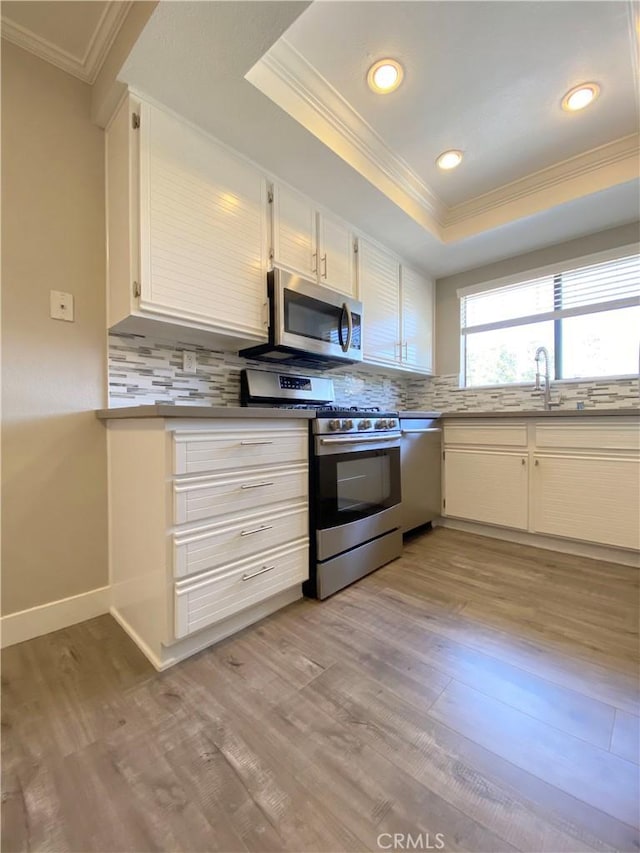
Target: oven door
(315, 319)
(356, 496)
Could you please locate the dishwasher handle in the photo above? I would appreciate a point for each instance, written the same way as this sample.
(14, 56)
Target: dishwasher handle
(420, 431)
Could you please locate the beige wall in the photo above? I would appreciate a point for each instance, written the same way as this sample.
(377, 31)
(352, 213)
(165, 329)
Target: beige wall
(54, 488)
(448, 304)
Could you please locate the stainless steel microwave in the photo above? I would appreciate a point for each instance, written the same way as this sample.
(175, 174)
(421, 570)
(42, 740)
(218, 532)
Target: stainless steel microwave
(309, 325)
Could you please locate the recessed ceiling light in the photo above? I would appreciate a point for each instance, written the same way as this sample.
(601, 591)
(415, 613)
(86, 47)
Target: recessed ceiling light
(449, 159)
(384, 76)
(580, 97)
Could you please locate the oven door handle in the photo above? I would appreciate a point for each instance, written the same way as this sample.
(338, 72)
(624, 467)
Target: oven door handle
(345, 345)
(362, 439)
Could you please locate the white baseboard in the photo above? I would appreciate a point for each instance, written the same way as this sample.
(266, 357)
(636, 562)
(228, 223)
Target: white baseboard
(26, 624)
(181, 649)
(549, 543)
(137, 639)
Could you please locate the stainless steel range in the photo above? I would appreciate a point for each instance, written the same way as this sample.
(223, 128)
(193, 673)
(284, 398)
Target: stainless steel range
(354, 478)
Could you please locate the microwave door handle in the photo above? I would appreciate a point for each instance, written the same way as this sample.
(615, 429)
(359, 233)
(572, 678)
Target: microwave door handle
(340, 338)
(345, 310)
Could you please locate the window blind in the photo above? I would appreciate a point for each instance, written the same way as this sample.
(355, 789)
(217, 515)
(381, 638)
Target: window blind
(603, 286)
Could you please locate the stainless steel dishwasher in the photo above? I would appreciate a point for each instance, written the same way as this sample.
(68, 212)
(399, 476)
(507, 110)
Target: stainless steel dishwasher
(420, 461)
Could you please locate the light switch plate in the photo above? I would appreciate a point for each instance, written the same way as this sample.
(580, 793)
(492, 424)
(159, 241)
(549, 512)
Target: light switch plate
(61, 305)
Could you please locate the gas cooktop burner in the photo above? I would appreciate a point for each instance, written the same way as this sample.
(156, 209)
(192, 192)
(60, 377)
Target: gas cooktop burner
(354, 411)
(323, 410)
(349, 408)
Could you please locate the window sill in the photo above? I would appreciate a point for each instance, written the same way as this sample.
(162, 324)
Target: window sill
(553, 383)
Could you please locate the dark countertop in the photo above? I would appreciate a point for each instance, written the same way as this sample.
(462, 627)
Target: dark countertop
(553, 413)
(167, 411)
(419, 415)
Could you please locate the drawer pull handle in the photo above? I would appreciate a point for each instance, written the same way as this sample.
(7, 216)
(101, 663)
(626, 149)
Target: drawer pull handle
(256, 442)
(256, 530)
(259, 572)
(255, 485)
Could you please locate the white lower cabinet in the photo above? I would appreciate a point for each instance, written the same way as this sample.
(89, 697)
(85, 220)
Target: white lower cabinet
(573, 480)
(595, 499)
(200, 498)
(215, 595)
(205, 547)
(209, 527)
(487, 486)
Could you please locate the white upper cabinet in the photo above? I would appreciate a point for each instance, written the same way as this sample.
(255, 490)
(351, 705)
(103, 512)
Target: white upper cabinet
(337, 264)
(379, 279)
(417, 316)
(295, 238)
(196, 230)
(310, 242)
(192, 228)
(398, 311)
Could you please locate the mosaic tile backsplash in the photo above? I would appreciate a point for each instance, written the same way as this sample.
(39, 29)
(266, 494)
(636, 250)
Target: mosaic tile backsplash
(143, 371)
(443, 394)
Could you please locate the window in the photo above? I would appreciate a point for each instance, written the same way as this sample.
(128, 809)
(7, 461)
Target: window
(588, 318)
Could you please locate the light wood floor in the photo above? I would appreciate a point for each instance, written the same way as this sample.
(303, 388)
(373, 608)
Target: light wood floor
(474, 688)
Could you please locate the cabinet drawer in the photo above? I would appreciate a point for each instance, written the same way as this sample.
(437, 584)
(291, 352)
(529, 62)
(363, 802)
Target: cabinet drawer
(216, 544)
(593, 436)
(196, 500)
(236, 586)
(486, 435)
(236, 444)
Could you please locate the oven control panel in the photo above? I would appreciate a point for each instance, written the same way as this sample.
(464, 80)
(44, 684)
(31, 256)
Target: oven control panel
(355, 424)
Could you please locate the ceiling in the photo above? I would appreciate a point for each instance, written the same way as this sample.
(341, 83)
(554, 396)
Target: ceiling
(75, 36)
(283, 82)
(483, 77)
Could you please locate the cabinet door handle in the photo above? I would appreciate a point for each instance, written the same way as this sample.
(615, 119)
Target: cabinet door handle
(255, 485)
(251, 443)
(524, 461)
(256, 530)
(315, 263)
(405, 346)
(536, 463)
(324, 261)
(259, 572)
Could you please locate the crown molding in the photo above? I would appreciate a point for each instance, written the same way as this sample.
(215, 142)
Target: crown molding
(602, 167)
(288, 79)
(85, 68)
(582, 165)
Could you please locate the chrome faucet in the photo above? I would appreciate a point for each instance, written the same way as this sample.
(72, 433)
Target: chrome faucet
(542, 351)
